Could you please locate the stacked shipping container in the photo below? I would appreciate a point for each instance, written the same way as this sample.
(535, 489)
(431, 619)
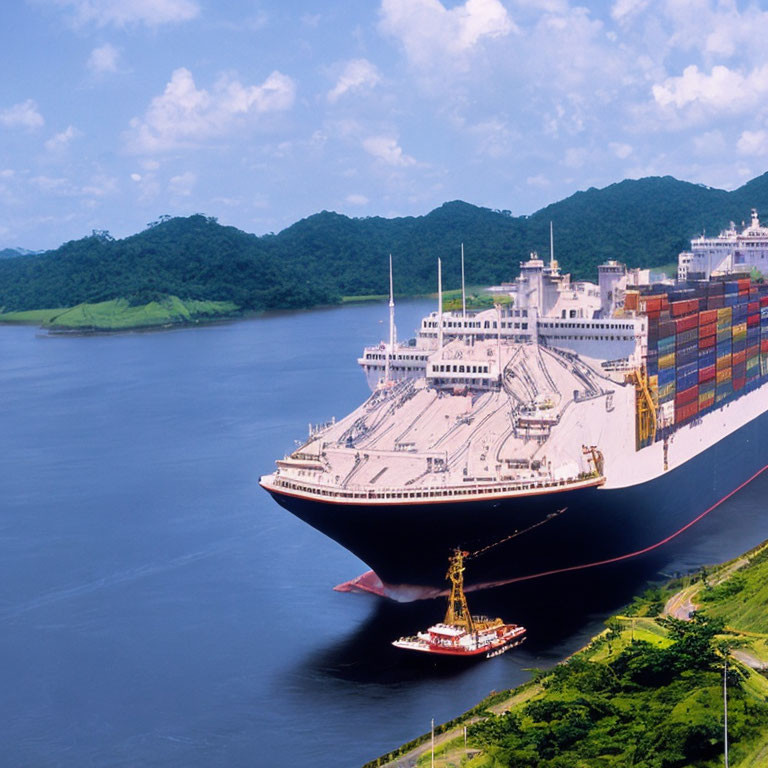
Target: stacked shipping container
(705, 344)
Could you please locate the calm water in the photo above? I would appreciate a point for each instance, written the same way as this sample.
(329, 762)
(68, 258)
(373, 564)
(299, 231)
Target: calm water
(157, 608)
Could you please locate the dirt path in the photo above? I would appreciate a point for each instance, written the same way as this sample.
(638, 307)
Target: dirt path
(681, 605)
(745, 657)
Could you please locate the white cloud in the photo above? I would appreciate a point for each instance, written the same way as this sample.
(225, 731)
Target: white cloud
(710, 143)
(124, 12)
(540, 181)
(182, 184)
(51, 184)
(103, 59)
(357, 74)
(723, 90)
(136, 177)
(60, 141)
(576, 157)
(386, 149)
(355, 199)
(494, 137)
(185, 115)
(429, 31)
(23, 115)
(753, 143)
(622, 151)
(622, 10)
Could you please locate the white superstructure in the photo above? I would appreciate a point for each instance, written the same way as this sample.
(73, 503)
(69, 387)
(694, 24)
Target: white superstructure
(731, 252)
(545, 306)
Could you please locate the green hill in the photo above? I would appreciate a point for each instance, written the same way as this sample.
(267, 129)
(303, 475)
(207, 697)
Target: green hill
(327, 256)
(645, 693)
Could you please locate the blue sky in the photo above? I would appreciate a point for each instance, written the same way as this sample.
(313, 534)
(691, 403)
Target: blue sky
(114, 112)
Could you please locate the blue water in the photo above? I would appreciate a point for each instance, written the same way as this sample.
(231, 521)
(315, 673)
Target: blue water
(157, 608)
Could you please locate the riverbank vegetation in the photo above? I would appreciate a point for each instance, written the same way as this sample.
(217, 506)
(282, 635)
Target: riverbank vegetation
(646, 693)
(327, 256)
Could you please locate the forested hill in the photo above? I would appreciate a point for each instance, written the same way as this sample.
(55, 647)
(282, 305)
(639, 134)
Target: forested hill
(326, 256)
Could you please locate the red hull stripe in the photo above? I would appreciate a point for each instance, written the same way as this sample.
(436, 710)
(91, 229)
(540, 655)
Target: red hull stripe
(629, 555)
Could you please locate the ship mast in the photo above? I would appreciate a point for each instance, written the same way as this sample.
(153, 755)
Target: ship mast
(551, 247)
(463, 290)
(458, 611)
(439, 305)
(391, 347)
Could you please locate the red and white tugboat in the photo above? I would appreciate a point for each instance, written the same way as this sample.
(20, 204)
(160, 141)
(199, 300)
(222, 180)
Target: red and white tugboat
(461, 634)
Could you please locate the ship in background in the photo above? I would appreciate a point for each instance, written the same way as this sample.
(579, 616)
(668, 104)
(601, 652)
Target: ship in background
(580, 423)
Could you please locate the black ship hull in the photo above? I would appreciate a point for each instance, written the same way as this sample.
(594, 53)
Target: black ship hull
(408, 545)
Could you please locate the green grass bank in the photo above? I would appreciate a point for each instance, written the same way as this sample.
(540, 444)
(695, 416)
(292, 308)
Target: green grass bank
(647, 692)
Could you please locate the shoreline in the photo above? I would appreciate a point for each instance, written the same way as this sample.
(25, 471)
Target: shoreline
(634, 622)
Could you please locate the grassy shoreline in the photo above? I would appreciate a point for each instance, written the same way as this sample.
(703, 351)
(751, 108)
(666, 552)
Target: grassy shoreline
(120, 315)
(584, 712)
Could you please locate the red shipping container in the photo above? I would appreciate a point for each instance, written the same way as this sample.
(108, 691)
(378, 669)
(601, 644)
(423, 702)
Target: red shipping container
(764, 301)
(753, 351)
(687, 396)
(708, 330)
(753, 307)
(684, 307)
(740, 382)
(706, 342)
(764, 346)
(744, 293)
(715, 302)
(686, 323)
(739, 357)
(706, 374)
(743, 283)
(686, 411)
(707, 316)
(753, 320)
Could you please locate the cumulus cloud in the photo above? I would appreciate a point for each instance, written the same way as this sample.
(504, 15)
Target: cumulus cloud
(723, 90)
(356, 199)
(60, 141)
(185, 115)
(23, 115)
(539, 180)
(623, 10)
(753, 143)
(120, 13)
(103, 59)
(357, 74)
(182, 184)
(621, 150)
(387, 150)
(428, 30)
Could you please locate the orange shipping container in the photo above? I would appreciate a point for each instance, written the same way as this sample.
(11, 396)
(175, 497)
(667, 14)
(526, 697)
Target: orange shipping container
(707, 316)
(724, 362)
(723, 376)
(739, 357)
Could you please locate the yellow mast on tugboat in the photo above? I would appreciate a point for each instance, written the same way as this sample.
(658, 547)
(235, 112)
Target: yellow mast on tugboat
(461, 633)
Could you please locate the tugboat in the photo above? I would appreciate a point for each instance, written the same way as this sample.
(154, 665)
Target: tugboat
(460, 633)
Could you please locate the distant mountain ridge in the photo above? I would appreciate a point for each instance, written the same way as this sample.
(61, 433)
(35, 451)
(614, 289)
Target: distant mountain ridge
(12, 253)
(328, 255)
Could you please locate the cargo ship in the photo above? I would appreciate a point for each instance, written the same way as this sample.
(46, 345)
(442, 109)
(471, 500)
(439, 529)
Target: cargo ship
(579, 422)
(460, 634)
